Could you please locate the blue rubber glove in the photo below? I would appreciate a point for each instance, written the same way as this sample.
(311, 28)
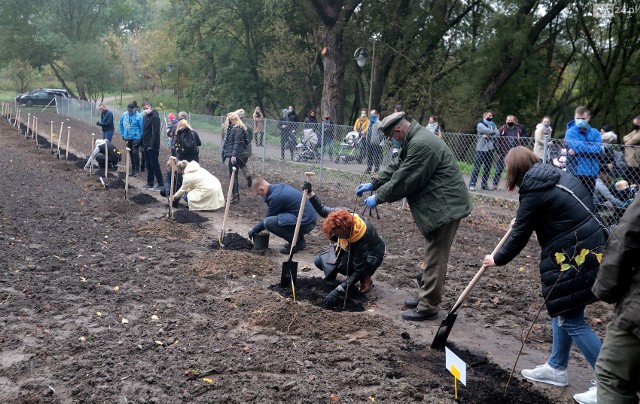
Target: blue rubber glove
(371, 202)
(362, 188)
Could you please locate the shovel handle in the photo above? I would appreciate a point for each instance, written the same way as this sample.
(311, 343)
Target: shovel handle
(303, 200)
(226, 209)
(476, 278)
(174, 161)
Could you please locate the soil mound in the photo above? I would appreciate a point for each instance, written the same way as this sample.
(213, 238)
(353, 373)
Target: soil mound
(186, 216)
(233, 241)
(143, 199)
(315, 289)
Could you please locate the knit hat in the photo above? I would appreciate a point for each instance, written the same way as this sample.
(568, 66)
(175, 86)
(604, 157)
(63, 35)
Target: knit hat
(171, 117)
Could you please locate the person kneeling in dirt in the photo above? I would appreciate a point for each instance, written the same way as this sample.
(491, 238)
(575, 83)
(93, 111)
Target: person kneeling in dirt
(166, 191)
(358, 253)
(99, 155)
(201, 188)
(283, 203)
(558, 207)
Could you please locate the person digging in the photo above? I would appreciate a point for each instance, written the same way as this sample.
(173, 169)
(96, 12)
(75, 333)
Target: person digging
(358, 253)
(426, 173)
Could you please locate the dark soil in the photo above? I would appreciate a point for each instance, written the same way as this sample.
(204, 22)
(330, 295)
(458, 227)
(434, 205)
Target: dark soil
(103, 299)
(233, 241)
(185, 216)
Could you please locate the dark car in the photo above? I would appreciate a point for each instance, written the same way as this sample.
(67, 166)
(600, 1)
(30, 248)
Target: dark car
(38, 98)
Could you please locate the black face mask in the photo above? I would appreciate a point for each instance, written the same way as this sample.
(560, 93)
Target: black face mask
(636, 127)
(489, 119)
(510, 124)
(333, 238)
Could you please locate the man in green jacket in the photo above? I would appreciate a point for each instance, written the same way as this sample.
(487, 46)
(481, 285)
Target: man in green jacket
(426, 173)
(618, 282)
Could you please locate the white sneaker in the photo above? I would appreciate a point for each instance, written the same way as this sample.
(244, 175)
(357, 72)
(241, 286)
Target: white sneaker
(588, 397)
(547, 374)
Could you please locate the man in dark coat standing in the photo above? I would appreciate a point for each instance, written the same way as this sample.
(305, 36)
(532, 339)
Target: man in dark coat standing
(151, 146)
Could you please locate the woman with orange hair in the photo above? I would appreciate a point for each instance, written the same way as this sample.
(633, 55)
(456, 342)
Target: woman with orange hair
(359, 249)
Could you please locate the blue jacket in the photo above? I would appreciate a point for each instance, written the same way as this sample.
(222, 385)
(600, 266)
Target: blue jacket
(587, 146)
(284, 202)
(130, 126)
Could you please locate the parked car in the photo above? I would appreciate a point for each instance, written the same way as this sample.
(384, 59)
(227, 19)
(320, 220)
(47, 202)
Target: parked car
(40, 96)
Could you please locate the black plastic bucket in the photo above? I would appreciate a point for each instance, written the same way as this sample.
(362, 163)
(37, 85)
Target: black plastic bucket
(261, 241)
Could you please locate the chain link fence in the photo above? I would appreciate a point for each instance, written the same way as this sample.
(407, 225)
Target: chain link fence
(342, 157)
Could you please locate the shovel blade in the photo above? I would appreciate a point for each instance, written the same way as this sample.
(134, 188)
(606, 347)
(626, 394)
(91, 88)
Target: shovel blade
(442, 334)
(289, 274)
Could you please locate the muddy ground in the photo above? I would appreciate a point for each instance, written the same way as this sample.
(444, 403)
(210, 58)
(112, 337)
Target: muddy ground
(103, 299)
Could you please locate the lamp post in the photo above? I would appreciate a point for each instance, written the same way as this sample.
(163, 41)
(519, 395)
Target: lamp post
(170, 69)
(361, 56)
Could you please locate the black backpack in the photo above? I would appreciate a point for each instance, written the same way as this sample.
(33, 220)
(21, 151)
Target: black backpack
(188, 141)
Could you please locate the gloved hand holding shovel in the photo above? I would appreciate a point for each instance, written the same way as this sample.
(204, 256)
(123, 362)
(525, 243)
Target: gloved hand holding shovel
(334, 297)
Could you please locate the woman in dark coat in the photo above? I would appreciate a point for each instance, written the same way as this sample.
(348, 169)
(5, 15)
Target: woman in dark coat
(562, 225)
(359, 249)
(235, 149)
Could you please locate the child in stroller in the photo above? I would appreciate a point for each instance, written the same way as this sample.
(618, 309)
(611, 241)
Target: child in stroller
(350, 148)
(307, 148)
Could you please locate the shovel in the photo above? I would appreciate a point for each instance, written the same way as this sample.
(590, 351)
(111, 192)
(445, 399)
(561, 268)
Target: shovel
(290, 268)
(226, 208)
(174, 161)
(447, 324)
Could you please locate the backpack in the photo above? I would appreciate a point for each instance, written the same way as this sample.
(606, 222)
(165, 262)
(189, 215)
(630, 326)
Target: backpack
(188, 141)
(247, 137)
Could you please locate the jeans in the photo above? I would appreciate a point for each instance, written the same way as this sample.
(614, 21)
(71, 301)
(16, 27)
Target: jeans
(134, 146)
(482, 158)
(286, 232)
(569, 328)
(239, 165)
(499, 169)
(151, 156)
(108, 134)
(374, 158)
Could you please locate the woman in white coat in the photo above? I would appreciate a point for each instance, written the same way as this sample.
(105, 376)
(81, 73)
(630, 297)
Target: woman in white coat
(203, 190)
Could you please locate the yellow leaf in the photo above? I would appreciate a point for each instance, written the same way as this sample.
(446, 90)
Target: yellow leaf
(125, 321)
(207, 380)
(522, 269)
(98, 313)
(599, 257)
(372, 398)
(158, 342)
(154, 318)
(116, 288)
(580, 260)
(82, 339)
(560, 258)
(564, 267)
(584, 252)
(83, 279)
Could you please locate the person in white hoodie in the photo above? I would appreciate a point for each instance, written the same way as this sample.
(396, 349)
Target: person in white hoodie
(203, 190)
(542, 129)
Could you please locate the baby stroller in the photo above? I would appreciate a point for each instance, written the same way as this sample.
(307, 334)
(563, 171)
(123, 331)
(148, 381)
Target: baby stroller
(350, 148)
(307, 149)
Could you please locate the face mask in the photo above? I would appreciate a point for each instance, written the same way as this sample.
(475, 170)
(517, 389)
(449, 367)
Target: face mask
(546, 125)
(363, 115)
(510, 124)
(373, 118)
(326, 118)
(636, 127)
(147, 111)
(290, 109)
(581, 123)
(489, 119)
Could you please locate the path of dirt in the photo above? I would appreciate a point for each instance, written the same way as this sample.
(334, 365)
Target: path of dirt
(104, 299)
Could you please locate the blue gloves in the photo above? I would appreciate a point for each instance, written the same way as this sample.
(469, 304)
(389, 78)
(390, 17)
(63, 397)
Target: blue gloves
(333, 297)
(362, 188)
(371, 202)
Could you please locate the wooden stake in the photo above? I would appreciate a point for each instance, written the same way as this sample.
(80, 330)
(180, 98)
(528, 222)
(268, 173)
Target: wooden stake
(35, 135)
(127, 163)
(66, 157)
(51, 138)
(26, 132)
(15, 123)
(93, 142)
(60, 137)
(173, 177)
(106, 161)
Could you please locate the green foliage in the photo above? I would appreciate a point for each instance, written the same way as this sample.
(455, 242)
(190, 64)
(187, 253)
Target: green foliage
(578, 259)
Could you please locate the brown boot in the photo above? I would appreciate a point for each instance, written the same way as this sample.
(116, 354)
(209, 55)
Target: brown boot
(365, 284)
(235, 199)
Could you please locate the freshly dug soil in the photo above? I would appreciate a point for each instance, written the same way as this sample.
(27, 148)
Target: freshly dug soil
(103, 299)
(185, 216)
(232, 241)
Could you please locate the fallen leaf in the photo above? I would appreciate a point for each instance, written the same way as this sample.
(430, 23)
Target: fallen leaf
(495, 300)
(83, 279)
(334, 397)
(522, 269)
(116, 288)
(207, 380)
(125, 321)
(158, 342)
(154, 318)
(98, 313)
(82, 339)
(246, 349)
(372, 398)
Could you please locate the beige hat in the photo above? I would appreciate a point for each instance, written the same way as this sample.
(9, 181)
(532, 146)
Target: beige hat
(390, 122)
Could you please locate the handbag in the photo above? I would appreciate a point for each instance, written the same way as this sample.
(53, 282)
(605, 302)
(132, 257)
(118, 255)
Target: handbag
(329, 261)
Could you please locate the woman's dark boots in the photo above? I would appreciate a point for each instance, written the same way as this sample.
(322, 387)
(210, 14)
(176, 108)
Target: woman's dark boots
(235, 199)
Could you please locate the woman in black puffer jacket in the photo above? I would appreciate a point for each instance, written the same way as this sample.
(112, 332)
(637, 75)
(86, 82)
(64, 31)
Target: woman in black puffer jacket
(359, 248)
(235, 148)
(562, 225)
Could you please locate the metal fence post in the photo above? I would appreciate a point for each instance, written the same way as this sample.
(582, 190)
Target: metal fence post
(265, 130)
(322, 125)
(545, 149)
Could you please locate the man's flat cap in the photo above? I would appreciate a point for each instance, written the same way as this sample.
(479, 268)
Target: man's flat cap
(391, 121)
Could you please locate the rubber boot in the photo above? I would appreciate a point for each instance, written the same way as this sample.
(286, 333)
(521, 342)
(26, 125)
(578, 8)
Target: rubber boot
(249, 181)
(235, 199)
